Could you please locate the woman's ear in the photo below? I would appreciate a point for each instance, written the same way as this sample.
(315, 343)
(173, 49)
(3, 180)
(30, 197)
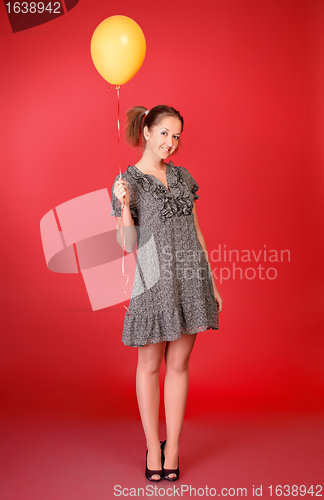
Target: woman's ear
(146, 133)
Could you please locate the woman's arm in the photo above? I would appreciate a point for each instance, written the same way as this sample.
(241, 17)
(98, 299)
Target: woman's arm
(126, 230)
(203, 244)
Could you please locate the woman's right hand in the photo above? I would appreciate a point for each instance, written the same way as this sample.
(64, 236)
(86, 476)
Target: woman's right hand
(121, 191)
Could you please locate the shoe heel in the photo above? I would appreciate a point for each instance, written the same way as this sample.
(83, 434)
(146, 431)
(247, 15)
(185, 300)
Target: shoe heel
(167, 472)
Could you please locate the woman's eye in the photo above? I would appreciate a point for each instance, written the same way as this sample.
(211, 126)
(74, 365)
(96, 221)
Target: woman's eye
(163, 133)
(177, 137)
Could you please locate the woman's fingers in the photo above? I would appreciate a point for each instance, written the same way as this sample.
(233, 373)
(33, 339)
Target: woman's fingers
(120, 189)
(121, 184)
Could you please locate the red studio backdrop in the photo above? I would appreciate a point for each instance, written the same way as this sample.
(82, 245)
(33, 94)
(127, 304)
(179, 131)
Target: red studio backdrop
(248, 77)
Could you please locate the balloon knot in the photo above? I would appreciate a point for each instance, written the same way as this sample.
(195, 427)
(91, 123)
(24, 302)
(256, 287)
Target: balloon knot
(117, 87)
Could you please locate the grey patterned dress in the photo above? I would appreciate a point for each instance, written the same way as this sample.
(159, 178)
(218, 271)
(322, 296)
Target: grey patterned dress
(172, 291)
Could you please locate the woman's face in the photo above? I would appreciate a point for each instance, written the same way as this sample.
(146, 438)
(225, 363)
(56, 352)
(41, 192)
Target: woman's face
(163, 139)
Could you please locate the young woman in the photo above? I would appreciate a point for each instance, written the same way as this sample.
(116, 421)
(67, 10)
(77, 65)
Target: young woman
(175, 296)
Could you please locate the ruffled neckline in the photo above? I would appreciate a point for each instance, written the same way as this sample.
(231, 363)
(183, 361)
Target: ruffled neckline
(177, 200)
(167, 171)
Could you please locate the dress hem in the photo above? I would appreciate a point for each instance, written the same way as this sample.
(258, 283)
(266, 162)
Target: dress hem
(171, 338)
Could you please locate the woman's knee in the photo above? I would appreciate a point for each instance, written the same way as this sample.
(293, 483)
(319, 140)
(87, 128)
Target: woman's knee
(150, 367)
(177, 365)
(150, 359)
(178, 353)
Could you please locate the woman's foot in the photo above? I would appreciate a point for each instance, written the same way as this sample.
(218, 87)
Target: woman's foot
(153, 470)
(170, 461)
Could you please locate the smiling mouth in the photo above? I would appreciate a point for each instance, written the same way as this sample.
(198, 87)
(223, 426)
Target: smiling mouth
(166, 150)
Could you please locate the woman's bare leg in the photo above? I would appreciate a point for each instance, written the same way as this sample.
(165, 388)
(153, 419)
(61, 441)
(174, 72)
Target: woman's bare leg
(148, 397)
(177, 354)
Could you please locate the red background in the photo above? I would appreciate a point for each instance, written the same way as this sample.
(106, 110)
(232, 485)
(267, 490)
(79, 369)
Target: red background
(248, 77)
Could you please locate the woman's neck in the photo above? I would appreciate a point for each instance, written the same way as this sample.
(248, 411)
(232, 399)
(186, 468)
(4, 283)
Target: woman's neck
(150, 163)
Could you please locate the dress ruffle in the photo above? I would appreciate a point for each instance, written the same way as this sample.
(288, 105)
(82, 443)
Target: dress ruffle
(154, 326)
(179, 202)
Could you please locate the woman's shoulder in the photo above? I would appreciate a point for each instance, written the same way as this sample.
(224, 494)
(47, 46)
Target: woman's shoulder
(182, 170)
(127, 175)
(187, 178)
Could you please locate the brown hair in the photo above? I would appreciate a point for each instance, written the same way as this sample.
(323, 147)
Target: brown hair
(137, 120)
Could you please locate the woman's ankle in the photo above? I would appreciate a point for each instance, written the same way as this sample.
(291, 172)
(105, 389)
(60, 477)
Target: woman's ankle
(153, 445)
(171, 445)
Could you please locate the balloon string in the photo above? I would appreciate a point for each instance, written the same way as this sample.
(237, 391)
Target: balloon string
(122, 210)
(118, 129)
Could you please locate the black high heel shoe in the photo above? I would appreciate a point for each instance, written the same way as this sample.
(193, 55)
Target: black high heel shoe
(149, 473)
(167, 472)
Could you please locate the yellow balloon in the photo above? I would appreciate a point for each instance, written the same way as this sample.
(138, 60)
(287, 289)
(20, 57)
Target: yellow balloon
(118, 49)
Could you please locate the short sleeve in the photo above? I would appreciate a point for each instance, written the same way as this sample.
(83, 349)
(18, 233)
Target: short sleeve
(192, 184)
(116, 205)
